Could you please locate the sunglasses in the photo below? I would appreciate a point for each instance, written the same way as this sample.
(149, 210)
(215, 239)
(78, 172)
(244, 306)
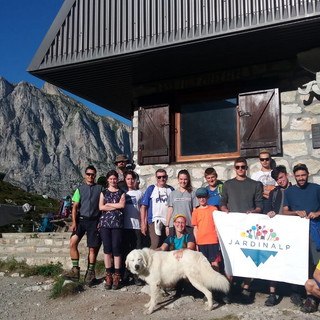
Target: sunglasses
(264, 159)
(240, 167)
(161, 177)
(90, 174)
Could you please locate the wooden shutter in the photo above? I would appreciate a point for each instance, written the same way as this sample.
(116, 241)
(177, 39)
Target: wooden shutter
(259, 114)
(153, 135)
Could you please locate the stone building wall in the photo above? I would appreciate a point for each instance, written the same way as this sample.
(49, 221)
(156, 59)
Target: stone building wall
(296, 120)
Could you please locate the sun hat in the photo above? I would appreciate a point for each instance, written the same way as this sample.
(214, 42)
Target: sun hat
(120, 157)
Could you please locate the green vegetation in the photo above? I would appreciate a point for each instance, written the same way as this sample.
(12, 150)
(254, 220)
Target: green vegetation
(12, 195)
(60, 289)
(47, 270)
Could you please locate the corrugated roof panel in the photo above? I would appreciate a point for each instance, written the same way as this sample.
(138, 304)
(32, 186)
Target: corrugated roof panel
(101, 29)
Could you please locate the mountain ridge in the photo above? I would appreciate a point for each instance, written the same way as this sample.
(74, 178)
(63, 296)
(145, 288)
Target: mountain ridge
(48, 138)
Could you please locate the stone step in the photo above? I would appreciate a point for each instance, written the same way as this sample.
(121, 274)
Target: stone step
(42, 248)
(42, 259)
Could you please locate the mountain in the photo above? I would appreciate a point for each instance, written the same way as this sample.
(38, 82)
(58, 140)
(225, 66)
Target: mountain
(47, 139)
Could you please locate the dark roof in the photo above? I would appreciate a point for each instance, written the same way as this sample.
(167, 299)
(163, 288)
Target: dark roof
(107, 52)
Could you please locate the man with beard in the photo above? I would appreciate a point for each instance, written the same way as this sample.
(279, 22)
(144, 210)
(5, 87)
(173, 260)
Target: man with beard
(303, 200)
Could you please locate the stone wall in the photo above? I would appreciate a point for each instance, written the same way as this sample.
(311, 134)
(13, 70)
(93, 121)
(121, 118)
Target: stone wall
(297, 116)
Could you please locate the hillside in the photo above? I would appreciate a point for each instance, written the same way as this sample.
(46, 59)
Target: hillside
(11, 195)
(47, 139)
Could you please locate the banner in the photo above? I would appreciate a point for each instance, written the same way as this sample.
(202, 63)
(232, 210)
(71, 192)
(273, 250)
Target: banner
(256, 246)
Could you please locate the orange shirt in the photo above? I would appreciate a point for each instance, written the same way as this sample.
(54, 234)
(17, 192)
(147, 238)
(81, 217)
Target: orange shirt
(203, 219)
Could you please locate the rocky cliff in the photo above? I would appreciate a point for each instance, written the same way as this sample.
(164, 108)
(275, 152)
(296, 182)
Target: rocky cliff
(47, 139)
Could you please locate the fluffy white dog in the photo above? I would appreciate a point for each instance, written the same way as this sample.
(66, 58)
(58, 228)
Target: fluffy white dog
(162, 268)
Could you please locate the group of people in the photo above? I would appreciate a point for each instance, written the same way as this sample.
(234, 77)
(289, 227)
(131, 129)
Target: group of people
(123, 218)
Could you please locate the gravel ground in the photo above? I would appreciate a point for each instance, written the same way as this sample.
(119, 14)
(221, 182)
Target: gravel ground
(28, 298)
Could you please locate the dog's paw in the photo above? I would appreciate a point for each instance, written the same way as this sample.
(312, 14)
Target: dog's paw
(148, 311)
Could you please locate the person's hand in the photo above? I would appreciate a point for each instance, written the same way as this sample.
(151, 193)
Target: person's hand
(249, 211)
(178, 254)
(144, 229)
(301, 214)
(313, 215)
(167, 231)
(73, 227)
(271, 214)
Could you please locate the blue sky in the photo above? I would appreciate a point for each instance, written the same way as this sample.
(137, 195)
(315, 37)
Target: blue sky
(23, 25)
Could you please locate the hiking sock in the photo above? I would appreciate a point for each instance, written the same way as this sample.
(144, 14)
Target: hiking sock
(75, 262)
(91, 266)
(109, 270)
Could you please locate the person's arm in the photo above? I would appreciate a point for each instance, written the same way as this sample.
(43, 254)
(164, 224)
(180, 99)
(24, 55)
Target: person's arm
(169, 215)
(74, 214)
(111, 206)
(164, 247)
(143, 217)
(224, 199)
(257, 199)
(286, 211)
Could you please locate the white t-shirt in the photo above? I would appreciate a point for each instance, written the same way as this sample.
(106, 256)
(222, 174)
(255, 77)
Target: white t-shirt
(264, 177)
(159, 198)
(132, 209)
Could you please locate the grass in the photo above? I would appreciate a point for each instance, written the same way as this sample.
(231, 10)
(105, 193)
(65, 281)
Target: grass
(48, 270)
(62, 289)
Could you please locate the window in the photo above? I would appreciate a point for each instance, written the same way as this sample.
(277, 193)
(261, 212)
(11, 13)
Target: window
(208, 129)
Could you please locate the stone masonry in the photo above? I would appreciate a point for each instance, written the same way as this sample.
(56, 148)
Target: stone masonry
(296, 120)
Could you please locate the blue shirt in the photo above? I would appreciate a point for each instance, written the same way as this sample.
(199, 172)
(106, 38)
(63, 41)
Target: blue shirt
(214, 196)
(298, 199)
(178, 243)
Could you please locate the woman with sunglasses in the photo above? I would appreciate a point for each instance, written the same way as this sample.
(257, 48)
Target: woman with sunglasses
(112, 201)
(183, 200)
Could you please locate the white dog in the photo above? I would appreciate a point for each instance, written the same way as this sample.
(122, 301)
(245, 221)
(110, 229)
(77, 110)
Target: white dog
(162, 268)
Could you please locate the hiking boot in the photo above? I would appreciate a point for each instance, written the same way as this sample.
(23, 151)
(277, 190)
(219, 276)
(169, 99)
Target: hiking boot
(296, 299)
(310, 305)
(271, 300)
(108, 284)
(73, 274)
(116, 281)
(246, 296)
(89, 277)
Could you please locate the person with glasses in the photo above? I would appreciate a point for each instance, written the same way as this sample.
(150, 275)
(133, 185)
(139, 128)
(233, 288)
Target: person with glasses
(264, 176)
(241, 194)
(154, 209)
(86, 201)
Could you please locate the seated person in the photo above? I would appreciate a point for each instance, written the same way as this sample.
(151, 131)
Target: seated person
(180, 241)
(313, 292)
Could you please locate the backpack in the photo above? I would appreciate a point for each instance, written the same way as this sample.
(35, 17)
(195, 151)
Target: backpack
(46, 225)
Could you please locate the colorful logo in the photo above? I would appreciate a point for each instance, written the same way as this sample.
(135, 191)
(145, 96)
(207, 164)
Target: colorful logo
(259, 243)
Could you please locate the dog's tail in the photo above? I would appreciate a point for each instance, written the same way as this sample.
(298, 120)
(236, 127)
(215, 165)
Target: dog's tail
(211, 278)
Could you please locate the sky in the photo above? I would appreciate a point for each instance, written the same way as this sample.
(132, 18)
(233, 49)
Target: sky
(23, 26)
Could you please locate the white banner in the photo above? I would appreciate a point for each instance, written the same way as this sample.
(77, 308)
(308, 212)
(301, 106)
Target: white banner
(256, 246)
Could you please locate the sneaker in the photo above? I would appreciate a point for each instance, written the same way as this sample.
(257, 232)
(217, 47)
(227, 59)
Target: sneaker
(296, 299)
(73, 274)
(310, 305)
(116, 281)
(89, 277)
(271, 300)
(108, 281)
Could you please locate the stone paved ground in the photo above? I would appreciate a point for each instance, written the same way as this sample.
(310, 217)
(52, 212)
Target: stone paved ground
(28, 298)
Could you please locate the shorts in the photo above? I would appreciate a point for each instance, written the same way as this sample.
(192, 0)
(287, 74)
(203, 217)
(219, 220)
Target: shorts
(211, 252)
(88, 227)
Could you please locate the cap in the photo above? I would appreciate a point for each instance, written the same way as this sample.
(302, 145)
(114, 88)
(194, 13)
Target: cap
(179, 215)
(121, 157)
(202, 192)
